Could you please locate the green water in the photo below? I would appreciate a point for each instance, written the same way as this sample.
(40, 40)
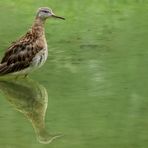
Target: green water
(93, 90)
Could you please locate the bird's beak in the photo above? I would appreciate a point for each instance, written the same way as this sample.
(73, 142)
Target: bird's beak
(59, 17)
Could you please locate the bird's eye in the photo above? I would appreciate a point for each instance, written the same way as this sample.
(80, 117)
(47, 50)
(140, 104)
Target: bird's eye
(45, 11)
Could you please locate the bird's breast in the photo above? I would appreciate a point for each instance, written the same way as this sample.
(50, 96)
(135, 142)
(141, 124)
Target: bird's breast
(40, 58)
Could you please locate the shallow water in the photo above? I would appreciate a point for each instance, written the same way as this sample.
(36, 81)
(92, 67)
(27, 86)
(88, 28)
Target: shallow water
(92, 91)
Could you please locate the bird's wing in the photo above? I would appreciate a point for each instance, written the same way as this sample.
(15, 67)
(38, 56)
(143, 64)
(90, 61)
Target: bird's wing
(19, 55)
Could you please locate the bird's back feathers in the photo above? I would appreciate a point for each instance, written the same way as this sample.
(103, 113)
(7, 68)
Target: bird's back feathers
(20, 54)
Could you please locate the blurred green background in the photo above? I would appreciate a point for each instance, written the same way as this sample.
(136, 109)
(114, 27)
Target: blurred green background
(96, 76)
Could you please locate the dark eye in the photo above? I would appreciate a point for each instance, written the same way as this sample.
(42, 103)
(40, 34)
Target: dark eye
(45, 11)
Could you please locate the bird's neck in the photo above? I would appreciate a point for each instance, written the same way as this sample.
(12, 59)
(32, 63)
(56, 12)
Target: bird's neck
(38, 27)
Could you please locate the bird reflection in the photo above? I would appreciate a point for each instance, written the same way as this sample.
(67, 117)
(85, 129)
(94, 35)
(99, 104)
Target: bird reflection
(31, 99)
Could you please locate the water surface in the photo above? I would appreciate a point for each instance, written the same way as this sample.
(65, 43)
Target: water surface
(93, 88)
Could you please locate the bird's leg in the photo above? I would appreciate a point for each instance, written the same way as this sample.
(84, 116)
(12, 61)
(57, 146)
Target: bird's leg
(16, 77)
(26, 75)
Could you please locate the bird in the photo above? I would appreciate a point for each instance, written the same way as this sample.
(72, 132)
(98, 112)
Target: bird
(30, 51)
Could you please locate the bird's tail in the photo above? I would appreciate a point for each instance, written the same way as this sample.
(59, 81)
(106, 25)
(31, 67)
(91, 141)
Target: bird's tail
(3, 69)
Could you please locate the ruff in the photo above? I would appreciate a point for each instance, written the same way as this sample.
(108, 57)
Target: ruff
(30, 51)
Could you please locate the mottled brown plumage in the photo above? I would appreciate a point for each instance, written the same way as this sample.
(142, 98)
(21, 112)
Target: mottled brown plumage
(30, 51)
(20, 54)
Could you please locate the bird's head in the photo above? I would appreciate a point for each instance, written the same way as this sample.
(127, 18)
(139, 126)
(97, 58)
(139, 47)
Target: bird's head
(45, 13)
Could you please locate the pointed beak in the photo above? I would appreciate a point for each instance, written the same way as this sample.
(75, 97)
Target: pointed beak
(59, 17)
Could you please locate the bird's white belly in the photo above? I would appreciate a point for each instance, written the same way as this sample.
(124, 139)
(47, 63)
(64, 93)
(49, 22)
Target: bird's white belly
(39, 59)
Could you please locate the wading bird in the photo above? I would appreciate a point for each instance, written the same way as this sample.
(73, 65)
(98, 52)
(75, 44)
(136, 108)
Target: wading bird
(30, 51)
